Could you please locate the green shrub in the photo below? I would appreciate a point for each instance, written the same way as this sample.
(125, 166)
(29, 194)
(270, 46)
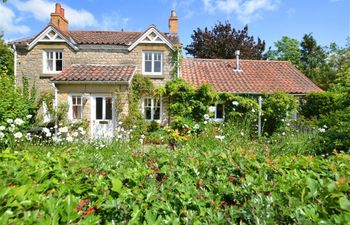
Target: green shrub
(318, 104)
(277, 109)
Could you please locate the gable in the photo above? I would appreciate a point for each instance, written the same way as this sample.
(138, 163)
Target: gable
(51, 35)
(151, 36)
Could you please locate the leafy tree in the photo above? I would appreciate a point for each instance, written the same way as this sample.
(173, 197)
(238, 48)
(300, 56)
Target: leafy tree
(286, 49)
(6, 58)
(222, 42)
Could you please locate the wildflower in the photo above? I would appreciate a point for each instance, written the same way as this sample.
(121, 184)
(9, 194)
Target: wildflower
(75, 134)
(253, 110)
(9, 120)
(2, 128)
(69, 139)
(288, 124)
(196, 126)
(220, 138)
(29, 116)
(265, 119)
(206, 117)
(235, 103)
(212, 109)
(48, 134)
(284, 133)
(325, 126)
(18, 135)
(12, 128)
(120, 123)
(143, 136)
(321, 130)
(2, 135)
(28, 137)
(18, 121)
(141, 140)
(242, 133)
(205, 122)
(134, 127)
(282, 120)
(83, 132)
(46, 130)
(56, 139)
(80, 129)
(63, 129)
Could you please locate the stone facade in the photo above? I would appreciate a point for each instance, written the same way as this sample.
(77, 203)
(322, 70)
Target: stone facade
(30, 64)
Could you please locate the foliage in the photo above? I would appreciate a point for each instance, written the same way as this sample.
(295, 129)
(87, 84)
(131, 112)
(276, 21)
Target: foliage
(277, 108)
(222, 42)
(205, 181)
(6, 58)
(14, 103)
(318, 104)
(287, 49)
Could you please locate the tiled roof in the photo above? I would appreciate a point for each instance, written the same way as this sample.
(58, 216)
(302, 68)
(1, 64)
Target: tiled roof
(124, 38)
(104, 37)
(96, 73)
(256, 76)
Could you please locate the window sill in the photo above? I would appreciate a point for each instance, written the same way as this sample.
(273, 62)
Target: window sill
(154, 76)
(49, 75)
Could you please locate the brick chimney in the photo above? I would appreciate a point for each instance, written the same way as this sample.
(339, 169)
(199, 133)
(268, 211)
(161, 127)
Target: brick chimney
(58, 19)
(173, 22)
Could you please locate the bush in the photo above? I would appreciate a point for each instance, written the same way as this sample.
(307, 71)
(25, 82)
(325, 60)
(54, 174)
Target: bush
(277, 108)
(318, 104)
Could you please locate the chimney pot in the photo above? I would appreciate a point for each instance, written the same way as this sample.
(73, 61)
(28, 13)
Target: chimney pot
(58, 8)
(62, 12)
(58, 19)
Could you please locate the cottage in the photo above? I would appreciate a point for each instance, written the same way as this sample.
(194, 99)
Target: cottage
(90, 69)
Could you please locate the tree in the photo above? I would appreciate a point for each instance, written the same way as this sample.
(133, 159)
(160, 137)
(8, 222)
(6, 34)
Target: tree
(222, 42)
(6, 58)
(286, 49)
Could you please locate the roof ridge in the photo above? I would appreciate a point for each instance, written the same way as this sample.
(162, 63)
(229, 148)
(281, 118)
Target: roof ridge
(91, 64)
(250, 60)
(111, 31)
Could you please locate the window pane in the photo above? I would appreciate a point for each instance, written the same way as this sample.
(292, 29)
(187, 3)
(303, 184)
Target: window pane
(157, 66)
(147, 108)
(59, 65)
(148, 66)
(99, 108)
(219, 111)
(78, 100)
(74, 100)
(108, 108)
(58, 55)
(49, 66)
(77, 111)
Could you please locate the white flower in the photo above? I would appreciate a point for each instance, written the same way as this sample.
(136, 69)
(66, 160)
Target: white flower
(48, 134)
(206, 117)
(196, 126)
(56, 139)
(75, 134)
(242, 133)
(253, 110)
(83, 132)
(205, 122)
(325, 126)
(220, 138)
(142, 136)
(265, 119)
(134, 127)
(46, 130)
(69, 139)
(2, 128)
(120, 123)
(288, 124)
(29, 116)
(2, 135)
(9, 120)
(80, 129)
(12, 128)
(19, 121)
(63, 129)
(321, 130)
(141, 140)
(235, 103)
(284, 133)
(282, 120)
(28, 137)
(18, 135)
(212, 109)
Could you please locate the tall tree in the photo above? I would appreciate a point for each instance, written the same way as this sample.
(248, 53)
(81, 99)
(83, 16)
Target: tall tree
(222, 42)
(6, 58)
(286, 49)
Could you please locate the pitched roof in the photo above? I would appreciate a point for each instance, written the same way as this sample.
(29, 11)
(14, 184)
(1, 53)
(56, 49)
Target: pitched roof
(95, 73)
(124, 38)
(256, 76)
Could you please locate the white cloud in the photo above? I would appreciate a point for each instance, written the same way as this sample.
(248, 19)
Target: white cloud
(245, 10)
(9, 22)
(41, 10)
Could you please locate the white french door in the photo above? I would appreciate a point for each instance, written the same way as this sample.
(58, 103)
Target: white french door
(102, 116)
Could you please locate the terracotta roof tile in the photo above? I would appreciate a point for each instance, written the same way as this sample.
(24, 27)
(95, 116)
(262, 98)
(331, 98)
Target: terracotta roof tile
(93, 73)
(256, 76)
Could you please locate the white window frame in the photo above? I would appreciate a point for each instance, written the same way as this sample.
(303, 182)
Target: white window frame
(152, 60)
(70, 103)
(152, 108)
(215, 118)
(104, 107)
(54, 61)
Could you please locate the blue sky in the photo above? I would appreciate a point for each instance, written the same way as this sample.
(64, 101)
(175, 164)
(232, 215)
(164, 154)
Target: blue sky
(328, 20)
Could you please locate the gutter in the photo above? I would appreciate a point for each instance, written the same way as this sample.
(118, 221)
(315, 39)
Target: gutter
(90, 82)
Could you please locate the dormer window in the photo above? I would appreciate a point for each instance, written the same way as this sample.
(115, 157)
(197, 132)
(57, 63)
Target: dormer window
(152, 63)
(53, 61)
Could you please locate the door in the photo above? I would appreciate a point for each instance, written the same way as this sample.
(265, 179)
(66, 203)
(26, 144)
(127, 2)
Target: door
(102, 113)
